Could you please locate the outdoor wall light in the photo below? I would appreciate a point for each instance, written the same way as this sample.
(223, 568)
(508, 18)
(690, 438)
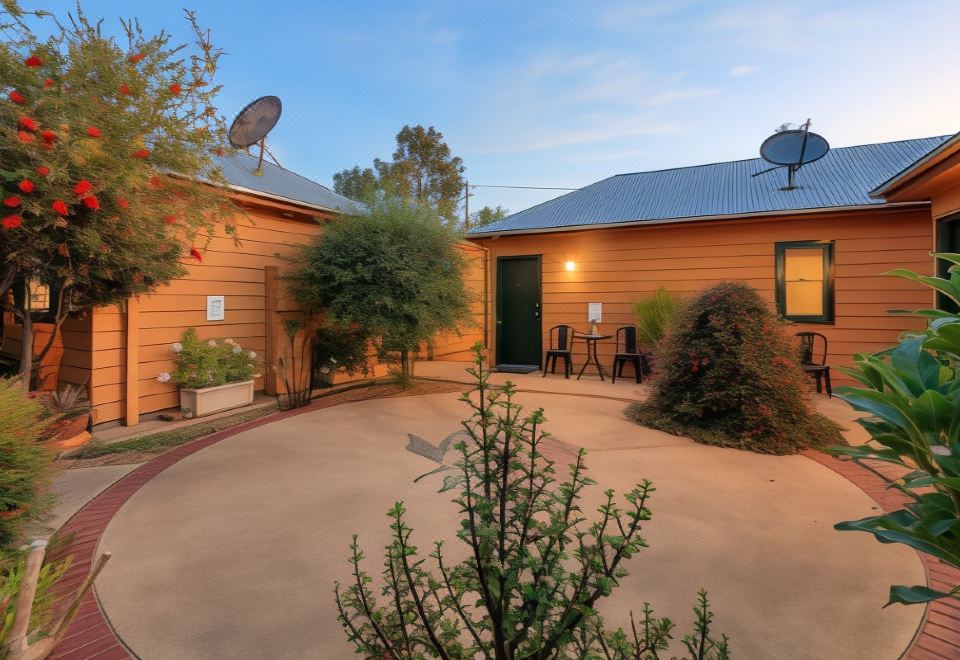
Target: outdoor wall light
(571, 266)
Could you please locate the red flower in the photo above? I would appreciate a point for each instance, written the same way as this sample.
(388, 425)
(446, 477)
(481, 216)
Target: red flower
(48, 83)
(175, 89)
(33, 60)
(28, 123)
(16, 97)
(64, 252)
(122, 203)
(141, 153)
(124, 90)
(93, 131)
(83, 186)
(60, 207)
(12, 221)
(91, 202)
(43, 170)
(155, 183)
(48, 136)
(170, 219)
(26, 186)
(195, 253)
(133, 59)
(12, 202)
(24, 136)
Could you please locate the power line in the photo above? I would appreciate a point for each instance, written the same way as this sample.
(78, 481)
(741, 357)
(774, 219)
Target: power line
(479, 185)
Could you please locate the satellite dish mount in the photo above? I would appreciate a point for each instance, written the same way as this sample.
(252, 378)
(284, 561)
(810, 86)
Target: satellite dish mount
(252, 125)
(792, 149)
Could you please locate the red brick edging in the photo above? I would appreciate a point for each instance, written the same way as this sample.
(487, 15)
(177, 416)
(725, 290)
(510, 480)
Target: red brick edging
(938, 637)
(91, 635)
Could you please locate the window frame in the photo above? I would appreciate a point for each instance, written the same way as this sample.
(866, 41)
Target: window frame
(827, 250)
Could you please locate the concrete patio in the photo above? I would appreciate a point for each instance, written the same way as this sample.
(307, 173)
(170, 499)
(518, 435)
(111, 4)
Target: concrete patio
(233, 551)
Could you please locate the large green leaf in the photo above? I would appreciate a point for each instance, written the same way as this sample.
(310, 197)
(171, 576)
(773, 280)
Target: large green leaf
(913, 595)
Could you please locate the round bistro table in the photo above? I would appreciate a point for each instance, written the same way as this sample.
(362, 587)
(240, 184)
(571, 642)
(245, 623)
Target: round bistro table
(592, 351)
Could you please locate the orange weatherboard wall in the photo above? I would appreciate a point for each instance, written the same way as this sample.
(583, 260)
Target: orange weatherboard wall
(616, 267)
(250, 277)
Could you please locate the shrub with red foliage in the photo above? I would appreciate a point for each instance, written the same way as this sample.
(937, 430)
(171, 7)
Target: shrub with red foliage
(729, 376)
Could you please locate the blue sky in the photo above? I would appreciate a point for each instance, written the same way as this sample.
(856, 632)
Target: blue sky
(565, 94)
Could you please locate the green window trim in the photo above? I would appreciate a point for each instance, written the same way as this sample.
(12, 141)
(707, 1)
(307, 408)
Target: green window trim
(826, 249)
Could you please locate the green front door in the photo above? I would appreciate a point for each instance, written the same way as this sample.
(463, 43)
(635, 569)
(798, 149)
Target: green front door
(518, 311)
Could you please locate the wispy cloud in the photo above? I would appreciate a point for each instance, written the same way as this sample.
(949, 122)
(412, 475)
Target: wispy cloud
(742, 70)
(593, 130)
(634, 15)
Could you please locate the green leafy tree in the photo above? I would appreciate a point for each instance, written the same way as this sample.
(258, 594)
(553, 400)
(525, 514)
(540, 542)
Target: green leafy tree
(106, 149)
(396, 272)
(423, 171)
(911, 394)
(360, 184)
(727, 375)
(536, 567)
(486, 215)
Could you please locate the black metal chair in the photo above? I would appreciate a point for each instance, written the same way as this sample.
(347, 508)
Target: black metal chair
(561, 346)
(627, 353)
(809, 353)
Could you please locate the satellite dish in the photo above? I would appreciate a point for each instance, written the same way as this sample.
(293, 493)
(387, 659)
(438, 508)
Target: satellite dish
(793, 149)
(253, 123)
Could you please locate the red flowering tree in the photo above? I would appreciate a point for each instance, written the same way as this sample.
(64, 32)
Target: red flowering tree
(105, 161)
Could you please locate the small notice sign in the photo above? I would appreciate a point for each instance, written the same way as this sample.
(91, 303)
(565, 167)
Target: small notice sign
(595, 312)
(215, 308)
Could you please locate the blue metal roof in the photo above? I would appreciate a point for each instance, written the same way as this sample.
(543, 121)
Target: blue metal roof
(238, 168)
(844, 177)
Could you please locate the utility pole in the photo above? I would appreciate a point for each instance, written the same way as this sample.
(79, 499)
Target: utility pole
(466, 205)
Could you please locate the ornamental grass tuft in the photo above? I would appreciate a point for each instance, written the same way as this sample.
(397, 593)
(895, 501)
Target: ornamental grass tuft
(728, 376)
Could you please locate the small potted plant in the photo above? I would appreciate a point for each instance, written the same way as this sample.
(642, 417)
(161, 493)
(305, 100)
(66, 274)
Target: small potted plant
(212, 375)
(655, 316)
(69, 409)
(337, 348)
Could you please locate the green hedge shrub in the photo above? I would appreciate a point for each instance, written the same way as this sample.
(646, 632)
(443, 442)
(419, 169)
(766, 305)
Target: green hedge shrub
(24, 461)
(728, 376)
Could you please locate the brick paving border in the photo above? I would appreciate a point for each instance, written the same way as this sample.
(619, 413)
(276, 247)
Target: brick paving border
(91, 636)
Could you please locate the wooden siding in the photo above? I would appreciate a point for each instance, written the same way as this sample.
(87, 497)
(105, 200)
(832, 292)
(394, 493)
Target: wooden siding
(233, 271)
(619, 266)
(237, 272)
(458, 345)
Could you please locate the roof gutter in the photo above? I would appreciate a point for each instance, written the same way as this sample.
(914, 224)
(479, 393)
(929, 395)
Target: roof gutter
(899, 178)
(699, 218)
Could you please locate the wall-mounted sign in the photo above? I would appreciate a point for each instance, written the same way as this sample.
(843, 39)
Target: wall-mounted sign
(215, 308)
(595, 312)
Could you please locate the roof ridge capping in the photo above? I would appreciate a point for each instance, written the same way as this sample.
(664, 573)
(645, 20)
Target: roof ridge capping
(844, 178)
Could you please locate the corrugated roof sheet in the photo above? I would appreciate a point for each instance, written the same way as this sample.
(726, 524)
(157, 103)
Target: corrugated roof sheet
(844, 177)
(238, 169)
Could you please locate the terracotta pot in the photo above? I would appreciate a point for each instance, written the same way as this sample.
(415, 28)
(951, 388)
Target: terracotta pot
(70, 433)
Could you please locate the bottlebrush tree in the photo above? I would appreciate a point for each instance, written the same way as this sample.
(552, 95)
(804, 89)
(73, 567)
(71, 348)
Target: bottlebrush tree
(107, 177)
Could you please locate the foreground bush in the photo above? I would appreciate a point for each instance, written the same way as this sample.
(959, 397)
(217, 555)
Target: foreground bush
(912, 397)
(24, 462)
(728, 376)
(537, 569)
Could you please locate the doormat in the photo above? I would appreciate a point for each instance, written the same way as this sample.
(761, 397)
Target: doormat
(517, 368)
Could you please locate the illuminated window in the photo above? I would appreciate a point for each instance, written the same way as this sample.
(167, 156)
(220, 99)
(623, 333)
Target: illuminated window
(805, 281)
(39, 296)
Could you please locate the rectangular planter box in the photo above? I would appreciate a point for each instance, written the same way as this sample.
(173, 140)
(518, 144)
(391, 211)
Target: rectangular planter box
(209, 400)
